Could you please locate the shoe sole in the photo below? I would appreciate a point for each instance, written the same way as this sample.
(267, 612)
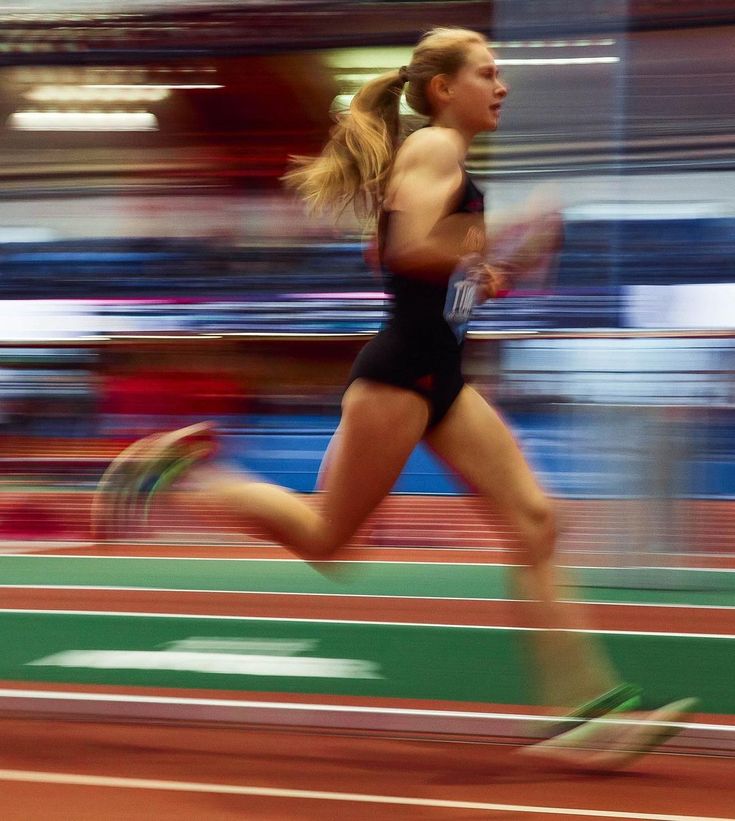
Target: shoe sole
(606, 744)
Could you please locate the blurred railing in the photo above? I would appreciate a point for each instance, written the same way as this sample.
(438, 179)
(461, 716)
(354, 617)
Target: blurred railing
(597, 254)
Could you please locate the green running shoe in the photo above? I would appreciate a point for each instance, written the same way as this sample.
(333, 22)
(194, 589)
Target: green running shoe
(143, 469)
(605, 744)
(623, 698)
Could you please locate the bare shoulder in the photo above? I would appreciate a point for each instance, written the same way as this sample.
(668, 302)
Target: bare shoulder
(427, 164)
(433, 146)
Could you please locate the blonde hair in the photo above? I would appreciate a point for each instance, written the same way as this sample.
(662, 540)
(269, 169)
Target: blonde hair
(354, 165)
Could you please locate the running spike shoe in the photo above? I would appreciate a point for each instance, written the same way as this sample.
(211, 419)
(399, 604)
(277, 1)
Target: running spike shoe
(621, 699)
(142, 470)
(605, 744)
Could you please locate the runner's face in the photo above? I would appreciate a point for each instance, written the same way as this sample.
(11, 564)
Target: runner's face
(477, 91)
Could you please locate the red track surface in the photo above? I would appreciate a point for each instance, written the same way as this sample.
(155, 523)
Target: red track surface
(448, 771)
(354, 608)
(433, 770)
(253, 550)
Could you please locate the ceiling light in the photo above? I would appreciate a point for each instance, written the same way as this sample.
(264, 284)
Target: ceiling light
(95, 93)
(555, 61)
(82, 121)
(553, 43)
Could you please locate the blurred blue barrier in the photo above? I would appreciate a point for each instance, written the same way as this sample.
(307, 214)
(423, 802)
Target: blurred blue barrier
(562, 444)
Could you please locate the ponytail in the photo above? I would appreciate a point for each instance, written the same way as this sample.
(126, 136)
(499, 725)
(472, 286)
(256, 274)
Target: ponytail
(353, 166)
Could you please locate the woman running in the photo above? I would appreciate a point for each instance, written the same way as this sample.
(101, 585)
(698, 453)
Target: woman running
(406, 385)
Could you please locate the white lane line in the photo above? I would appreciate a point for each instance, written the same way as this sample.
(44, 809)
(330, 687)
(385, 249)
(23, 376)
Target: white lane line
(239, 542)
(30, 776)
(293, 560)
(285, 593)
(284, 560)
(361, 622)
(314, 707)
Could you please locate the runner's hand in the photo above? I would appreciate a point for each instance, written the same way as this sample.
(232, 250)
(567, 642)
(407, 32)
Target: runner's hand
(495, 282)
(538, 242)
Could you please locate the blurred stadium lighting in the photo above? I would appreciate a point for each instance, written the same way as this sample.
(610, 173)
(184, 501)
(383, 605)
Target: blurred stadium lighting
(502, 44)
(83, 121)
(554, 61)
(97, 93)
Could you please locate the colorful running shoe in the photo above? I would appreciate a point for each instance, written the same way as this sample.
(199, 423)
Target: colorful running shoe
(621, 699)
(145, 468)
(605, 744)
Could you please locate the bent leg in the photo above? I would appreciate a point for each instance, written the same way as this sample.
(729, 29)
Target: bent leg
(475, 441)
(321, 479)
(380, 427)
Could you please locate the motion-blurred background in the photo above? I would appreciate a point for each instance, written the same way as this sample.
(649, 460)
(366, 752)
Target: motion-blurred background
(153, 271)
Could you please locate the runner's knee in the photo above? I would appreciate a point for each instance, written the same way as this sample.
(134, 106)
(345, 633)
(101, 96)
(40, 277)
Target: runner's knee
(538, 528)
(322, 544)
(319, 538)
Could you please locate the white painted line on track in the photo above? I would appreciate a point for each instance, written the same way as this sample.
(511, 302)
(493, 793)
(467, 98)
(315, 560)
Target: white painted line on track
(360, 622)
(39, 552)
(387, 596)
(74, 779)
(294, 706)
(294, 560)
(284, 560)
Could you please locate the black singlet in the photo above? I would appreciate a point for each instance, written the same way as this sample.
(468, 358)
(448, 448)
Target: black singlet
(416, 348)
